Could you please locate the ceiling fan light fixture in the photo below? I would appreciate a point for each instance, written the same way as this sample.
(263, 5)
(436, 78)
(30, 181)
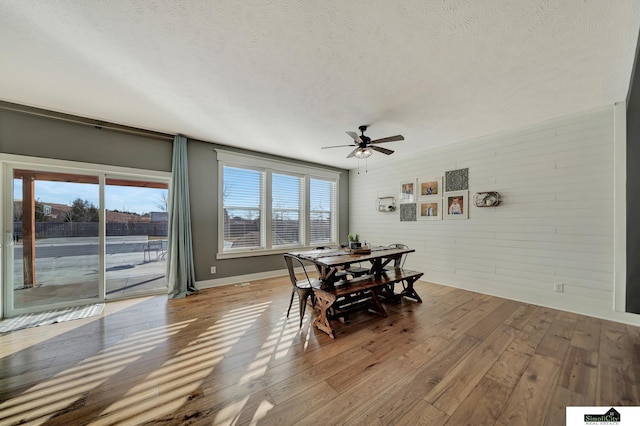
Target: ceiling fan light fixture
(362, 153)
(363, 146)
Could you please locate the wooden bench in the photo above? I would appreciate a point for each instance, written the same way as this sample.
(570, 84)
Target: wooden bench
(362, 293)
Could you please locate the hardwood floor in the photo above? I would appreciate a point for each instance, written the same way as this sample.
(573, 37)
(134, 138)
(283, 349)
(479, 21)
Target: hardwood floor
(229, 355)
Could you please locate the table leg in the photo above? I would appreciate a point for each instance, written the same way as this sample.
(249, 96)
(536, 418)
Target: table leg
(324, 301)
(326, 274)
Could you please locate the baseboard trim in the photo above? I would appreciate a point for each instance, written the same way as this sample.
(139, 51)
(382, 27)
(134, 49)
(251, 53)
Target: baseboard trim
(237, 279)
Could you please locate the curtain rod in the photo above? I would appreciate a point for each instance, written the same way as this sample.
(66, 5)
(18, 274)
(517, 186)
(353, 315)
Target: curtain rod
(82, 120)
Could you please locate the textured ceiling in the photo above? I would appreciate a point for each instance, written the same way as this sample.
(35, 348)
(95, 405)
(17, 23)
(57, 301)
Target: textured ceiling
(288, 77)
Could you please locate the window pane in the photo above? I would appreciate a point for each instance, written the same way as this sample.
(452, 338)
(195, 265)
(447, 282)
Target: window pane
(322, 210)
(136, 236)
(56, 255)
(242, 203)
(285, 209)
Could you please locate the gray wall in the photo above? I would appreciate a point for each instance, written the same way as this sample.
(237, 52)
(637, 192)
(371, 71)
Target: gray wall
(36, 136)
(26, 134)
(203, 182)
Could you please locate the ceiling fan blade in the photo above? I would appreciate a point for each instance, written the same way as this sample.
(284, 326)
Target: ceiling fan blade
(353, 153)
(355, 136)
(382, 150)
(389, 139)
(335, 146)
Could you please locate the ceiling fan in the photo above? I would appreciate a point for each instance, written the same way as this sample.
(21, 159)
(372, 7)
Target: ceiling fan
(364, 145)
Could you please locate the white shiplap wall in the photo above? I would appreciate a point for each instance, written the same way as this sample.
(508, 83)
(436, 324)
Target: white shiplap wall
(555, 223)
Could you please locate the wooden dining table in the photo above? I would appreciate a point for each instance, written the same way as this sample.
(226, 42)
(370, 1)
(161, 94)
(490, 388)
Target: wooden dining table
(339, 296)
(332, 260)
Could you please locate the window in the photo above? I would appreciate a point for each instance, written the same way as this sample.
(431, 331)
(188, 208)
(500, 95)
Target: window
(269, 205)
(286, 209)
(322, 196)
(243, 201)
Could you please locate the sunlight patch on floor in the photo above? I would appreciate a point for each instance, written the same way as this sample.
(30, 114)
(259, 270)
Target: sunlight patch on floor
(74, 383)
(181, 377)
(168, 386)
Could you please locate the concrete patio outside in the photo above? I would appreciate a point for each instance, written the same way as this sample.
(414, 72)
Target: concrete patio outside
(67, 269)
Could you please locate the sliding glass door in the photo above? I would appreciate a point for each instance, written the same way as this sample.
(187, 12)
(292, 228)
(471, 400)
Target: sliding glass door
(136, 236)
(55, 258)
(79, 237)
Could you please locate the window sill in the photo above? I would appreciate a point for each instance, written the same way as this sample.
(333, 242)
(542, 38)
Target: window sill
(255, 253)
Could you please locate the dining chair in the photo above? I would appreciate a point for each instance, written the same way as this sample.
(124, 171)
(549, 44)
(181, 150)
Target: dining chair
(303, 287)
(399, 262)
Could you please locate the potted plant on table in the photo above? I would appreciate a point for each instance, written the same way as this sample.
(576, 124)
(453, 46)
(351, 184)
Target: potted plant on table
(354, 241)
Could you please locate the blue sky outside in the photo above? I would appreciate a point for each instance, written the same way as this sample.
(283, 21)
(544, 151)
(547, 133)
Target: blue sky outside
(122, 198)
(241, 190)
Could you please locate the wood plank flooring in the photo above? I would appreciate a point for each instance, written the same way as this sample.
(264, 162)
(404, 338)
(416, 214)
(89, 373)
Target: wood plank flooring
(229, 356)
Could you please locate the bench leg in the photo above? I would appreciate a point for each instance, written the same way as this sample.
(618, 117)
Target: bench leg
(324, 301)
(377, 307)
(388, 295)
(409, 291)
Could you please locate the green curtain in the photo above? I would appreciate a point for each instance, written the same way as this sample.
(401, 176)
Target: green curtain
(180, 272)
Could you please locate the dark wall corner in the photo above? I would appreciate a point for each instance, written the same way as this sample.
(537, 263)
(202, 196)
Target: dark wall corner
(633, 189)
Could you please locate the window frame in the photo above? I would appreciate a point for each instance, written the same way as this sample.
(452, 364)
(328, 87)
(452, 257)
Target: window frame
(270, 166)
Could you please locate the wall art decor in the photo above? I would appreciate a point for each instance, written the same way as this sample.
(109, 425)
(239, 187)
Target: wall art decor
(456, 205)
(386, 204)
(456, 180)
(429, 187)
(486, 199)
(430, 209)
(408, 212)
(408, 191)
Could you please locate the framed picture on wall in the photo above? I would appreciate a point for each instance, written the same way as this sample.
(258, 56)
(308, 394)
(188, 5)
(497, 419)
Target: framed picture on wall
(408, 212)
(456, 205)
(408, 191)
(429, 187)
(430, 209)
